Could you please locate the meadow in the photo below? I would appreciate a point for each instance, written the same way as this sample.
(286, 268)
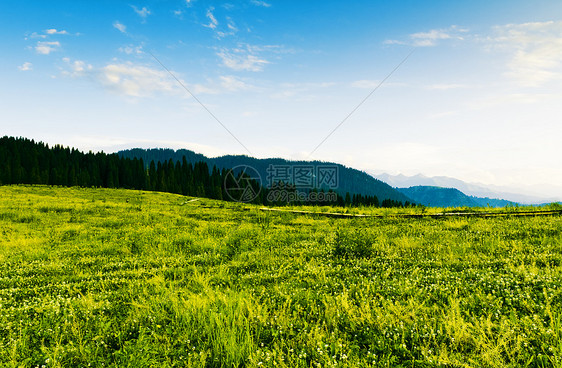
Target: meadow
(123, 278)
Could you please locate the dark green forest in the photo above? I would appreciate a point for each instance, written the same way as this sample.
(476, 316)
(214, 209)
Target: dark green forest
(352, 181)
(24, 161)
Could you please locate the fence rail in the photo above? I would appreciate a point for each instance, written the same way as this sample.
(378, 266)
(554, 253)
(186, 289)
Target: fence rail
(421, 215)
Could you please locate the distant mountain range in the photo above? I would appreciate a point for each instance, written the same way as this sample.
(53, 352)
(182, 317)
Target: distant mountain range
(24, 161)
(486, 192)
(349, 180)
(437, 191)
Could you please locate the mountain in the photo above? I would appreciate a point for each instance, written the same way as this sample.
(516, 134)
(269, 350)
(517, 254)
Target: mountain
(438, 197)
(492, 202)
(347, 180)
(492, 193)
(162, 155)
(449, 197)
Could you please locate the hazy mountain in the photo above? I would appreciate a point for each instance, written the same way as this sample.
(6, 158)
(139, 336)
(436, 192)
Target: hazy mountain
(438, 197)
(349, 180)
(485, 192)
(449, 197)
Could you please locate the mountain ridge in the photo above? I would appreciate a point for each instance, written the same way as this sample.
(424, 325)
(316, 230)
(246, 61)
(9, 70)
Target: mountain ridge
(350, 180)
(470, 189)
(435, 196)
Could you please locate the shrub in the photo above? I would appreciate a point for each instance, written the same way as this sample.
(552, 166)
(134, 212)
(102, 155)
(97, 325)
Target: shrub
(355, 243)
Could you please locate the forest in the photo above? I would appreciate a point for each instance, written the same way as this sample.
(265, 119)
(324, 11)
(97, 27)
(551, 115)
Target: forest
(25, 161)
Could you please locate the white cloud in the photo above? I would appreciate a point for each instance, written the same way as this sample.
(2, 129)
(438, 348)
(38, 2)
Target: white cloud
(223, 84)
(178, 13)
(275, 49)
(121, 27)
(128, 79)
(229, 30)
(534, 51)
(136, 80)
(394, 42)
(131, 49)
(222, 34)
(213, 22)
(260, 3)
(143, 13)
(431, 37)
(53, 31)
(240, 62)
(49, 32)
(233, 84)
(25, 66)
(36, 35)
(76, 68)
(46, 47)
(244, 57)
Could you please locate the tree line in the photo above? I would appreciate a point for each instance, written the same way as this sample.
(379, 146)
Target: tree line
(24, 161)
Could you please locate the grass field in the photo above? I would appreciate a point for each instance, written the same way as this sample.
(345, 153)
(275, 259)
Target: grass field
(101, 278)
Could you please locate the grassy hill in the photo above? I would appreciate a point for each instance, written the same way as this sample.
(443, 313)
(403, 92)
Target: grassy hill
(126, 278)
(349, 180)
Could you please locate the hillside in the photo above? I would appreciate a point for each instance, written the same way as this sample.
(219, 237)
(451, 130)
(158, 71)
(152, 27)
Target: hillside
(129, 278)
(492, 202)
(438, 197)
(24, 161)
(449, 197)
(349, 180)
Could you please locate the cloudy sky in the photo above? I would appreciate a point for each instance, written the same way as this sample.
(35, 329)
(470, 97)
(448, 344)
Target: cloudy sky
(477, 94)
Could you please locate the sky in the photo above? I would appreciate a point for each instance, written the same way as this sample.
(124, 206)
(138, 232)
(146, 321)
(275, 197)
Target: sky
(465, 89)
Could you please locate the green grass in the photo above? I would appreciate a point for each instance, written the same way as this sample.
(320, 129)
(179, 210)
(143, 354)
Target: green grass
(99, 277)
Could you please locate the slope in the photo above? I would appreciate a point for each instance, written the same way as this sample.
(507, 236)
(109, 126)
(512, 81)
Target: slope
(348, 180)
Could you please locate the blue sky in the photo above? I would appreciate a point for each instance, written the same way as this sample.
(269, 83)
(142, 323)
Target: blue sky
(478, 99)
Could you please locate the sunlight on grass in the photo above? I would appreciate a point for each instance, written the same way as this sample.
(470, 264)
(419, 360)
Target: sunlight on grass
(93, 277)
